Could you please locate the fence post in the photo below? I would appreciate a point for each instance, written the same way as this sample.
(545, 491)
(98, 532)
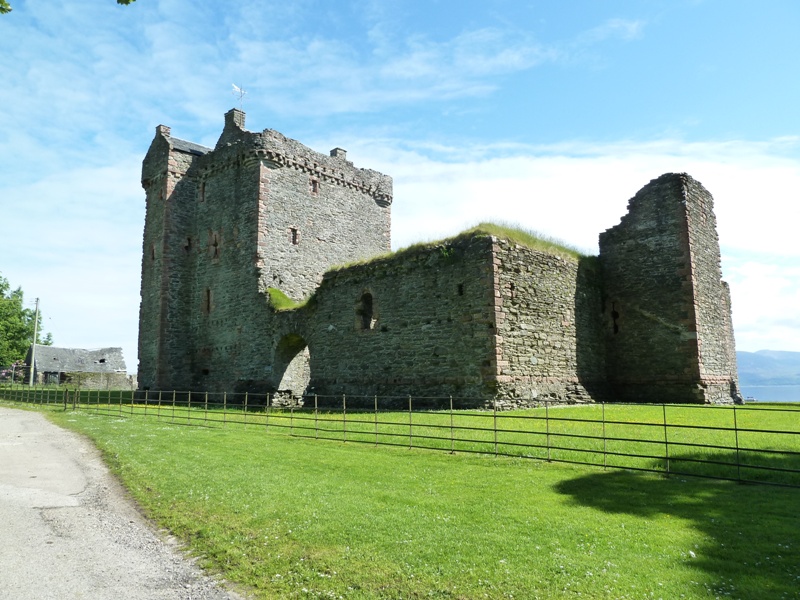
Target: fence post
(452, 440)
(547, 424)
(189, 407)
(65, 399)
(344, 417)
(205, 409)
(736, 434)
(266, 426)
(146, 398)
(605, 439)
(159, 405)
(291, 420)
(410, 425)
(376, 419)
(224, 407)
(173, 406)
(316, 417)
(494, 423)
(246, 396)
(74, 399)
(666, 440)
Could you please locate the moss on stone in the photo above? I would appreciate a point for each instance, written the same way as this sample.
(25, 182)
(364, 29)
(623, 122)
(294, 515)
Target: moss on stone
(281, 302)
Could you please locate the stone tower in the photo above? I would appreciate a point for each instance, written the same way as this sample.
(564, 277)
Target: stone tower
(222, 226)
(668, 312)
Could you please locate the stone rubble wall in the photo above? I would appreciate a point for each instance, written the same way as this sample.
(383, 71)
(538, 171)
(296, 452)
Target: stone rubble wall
(431, 332)
(654, 304)
(551, 345)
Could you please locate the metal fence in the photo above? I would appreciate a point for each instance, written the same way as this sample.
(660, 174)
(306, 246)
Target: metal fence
(750, 443)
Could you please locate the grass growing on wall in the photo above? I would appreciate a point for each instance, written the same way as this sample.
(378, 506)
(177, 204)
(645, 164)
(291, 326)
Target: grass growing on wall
(526, 237)
(280, 301)
(512, 233)
(295, 518)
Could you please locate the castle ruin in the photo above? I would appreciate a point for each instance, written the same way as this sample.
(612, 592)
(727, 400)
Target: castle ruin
(478, 316)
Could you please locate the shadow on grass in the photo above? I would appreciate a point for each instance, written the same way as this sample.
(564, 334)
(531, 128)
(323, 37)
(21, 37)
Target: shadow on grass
(750, 533)
(749, 466)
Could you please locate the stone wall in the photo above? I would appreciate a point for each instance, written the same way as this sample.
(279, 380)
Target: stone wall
(712, 299)
(551, 345)
(661, 274)
(420, 322)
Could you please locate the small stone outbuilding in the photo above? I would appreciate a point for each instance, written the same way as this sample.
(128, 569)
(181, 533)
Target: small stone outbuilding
(101, 368)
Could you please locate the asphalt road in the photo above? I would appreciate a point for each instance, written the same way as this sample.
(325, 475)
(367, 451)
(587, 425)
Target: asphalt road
(68, 530)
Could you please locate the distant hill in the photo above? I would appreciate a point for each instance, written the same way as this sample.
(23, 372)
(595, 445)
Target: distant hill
(768, 367)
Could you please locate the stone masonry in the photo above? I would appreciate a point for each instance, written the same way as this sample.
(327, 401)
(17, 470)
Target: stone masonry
(478, 317)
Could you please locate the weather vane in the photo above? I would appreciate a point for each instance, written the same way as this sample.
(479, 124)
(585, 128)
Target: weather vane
(237, 91)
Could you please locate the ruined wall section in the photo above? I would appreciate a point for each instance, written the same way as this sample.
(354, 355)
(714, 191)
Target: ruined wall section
(421, 322)
(712, 300)
(652, 264)
(551, 345)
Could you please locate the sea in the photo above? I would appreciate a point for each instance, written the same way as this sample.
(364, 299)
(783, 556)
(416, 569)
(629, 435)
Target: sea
(772, 393)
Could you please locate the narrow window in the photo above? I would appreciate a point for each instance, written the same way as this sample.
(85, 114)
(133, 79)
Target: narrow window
(153, 252)
(314, 184)
(207, 301)
(102, 361)
(188, 245)
(294, 236)
(214, 243)
(512, 290)
(460, 289)
(202, 191)
(205, 371)
(365, 312)
(615, 316)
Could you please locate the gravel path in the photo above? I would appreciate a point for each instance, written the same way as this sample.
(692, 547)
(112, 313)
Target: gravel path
(68, 529)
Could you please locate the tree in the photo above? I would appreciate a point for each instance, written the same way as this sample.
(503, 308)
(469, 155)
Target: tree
(16, 325)
(5, 7)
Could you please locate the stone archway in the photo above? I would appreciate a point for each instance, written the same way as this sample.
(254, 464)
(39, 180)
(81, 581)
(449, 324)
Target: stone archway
(292, 369)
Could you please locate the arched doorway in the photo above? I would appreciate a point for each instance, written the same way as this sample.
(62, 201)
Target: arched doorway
(292, 369)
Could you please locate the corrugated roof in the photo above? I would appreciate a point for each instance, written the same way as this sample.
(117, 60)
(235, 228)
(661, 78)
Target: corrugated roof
(189, 147)
(50, 359)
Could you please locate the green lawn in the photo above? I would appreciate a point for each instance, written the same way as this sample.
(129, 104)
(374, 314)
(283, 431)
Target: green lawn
(305, 518)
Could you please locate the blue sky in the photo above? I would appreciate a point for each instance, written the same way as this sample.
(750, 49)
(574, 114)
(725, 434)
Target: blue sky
(546, 114)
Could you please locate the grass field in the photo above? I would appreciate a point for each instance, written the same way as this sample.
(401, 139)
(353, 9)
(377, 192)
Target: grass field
(304, 518)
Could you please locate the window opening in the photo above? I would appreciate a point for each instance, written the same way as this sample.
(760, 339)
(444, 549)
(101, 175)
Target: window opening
(315, 186)
(202, 191)
(365, 312)
(460, 289)
(615, 316)
(214, 244)
(207, 301)
(294, 236)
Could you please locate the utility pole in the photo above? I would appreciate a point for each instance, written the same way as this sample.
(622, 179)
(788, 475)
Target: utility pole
(33, 346)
